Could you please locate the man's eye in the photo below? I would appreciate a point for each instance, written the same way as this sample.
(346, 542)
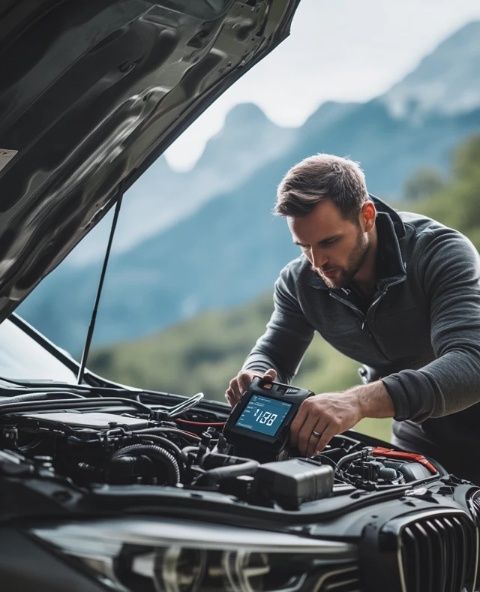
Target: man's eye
(330, 241)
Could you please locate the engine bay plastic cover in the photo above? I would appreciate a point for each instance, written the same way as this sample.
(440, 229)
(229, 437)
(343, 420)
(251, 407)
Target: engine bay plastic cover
(91, 93)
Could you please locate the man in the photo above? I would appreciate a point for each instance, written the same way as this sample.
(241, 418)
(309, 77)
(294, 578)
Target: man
(399, 293)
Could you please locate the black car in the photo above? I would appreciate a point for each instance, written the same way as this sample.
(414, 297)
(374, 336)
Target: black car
(107, 487)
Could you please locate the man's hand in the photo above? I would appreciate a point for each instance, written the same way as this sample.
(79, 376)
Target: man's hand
(240, 383)
(323, 416)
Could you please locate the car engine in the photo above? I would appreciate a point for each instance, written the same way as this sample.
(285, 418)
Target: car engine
(118, 441)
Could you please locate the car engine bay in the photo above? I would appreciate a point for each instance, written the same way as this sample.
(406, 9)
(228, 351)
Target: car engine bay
(114, 440)
(83, 456)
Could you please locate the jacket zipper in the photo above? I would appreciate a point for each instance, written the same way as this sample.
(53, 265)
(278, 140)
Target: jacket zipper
(348, 304)
(372, 307)
(374, 304)
(371, 310)
(362, 315)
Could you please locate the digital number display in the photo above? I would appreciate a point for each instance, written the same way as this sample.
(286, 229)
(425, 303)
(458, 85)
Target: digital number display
(263, 415)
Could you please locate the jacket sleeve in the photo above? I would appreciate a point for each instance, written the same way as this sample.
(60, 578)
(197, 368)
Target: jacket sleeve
(287, 334)
(448, 268)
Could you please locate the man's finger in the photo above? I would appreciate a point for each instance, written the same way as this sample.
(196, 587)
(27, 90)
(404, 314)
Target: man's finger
(327, 435)
(235, 390)
(305, 432)
(241, 383)
(230, 397)
(232, 391)
(271, 374)
(315, 436)
(244, 381)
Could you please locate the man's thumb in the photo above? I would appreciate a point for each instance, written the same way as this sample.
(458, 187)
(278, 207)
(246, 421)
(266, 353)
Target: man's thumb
(271, 374)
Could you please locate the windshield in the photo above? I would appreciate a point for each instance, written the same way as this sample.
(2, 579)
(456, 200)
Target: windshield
(22, 358)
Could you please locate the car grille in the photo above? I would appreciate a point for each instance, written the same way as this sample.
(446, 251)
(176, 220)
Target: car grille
(438, 552)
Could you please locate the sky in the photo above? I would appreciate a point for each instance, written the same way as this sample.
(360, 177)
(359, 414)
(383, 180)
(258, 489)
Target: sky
(342, 50)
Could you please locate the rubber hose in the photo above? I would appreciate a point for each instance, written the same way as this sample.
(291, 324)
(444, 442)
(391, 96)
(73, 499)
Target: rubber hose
(213, 476)
(176, 450)
(350, 457)
(160, 455)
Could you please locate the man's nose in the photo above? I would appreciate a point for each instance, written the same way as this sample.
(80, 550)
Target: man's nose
(317, 257)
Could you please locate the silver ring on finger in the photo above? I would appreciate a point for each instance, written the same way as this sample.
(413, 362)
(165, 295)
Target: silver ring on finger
(316, 434)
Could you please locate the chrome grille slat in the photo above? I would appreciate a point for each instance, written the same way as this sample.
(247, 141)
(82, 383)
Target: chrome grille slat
(474, 504)
(438, 552)
(450, 535)
(426, 551)
(443, 572)
(461, 552)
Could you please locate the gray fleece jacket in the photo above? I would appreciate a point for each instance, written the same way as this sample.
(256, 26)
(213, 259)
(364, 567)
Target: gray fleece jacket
(420, 333)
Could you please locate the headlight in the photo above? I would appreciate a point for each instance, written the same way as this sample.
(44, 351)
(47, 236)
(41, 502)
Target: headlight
(135, 554)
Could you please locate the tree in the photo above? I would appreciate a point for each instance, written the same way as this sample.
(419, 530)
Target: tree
(424, 182)
(457, 202)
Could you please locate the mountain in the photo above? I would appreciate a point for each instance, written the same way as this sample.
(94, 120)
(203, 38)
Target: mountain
(162, 196)
(389, 149)
(246, 142)
(444, 82)
(231, 248)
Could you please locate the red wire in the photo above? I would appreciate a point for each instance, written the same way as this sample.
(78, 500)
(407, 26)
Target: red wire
(202, 423)
(190, 434)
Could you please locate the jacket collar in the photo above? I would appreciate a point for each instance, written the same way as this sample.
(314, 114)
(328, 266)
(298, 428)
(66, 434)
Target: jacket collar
(390, 229)
(397, 222)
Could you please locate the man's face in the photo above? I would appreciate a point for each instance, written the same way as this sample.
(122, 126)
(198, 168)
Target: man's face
(336, 247)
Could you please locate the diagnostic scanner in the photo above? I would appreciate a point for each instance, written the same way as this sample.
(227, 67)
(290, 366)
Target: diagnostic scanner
(259, 424)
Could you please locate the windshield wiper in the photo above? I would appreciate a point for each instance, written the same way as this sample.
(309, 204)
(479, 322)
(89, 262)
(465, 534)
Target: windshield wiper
(27, 384)
(30, 405)
(47, 387)
(36, 396)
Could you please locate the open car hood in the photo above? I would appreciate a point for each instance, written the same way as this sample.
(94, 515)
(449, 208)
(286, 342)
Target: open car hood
(91, 93)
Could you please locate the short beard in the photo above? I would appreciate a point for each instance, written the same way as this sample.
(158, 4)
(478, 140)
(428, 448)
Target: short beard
(354, 264)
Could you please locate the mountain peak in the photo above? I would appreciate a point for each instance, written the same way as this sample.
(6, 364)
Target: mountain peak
(244, 123)
(245, 113)
(444, 82)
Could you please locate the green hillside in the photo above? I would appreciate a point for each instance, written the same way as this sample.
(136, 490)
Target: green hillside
(205, 352)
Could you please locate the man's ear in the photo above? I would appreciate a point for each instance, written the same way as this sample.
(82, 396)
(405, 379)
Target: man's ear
(368, 215)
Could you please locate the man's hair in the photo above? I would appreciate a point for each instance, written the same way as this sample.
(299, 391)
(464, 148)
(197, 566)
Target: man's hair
(321, 177)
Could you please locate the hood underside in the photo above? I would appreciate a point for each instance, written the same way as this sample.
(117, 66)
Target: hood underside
(91, 93)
